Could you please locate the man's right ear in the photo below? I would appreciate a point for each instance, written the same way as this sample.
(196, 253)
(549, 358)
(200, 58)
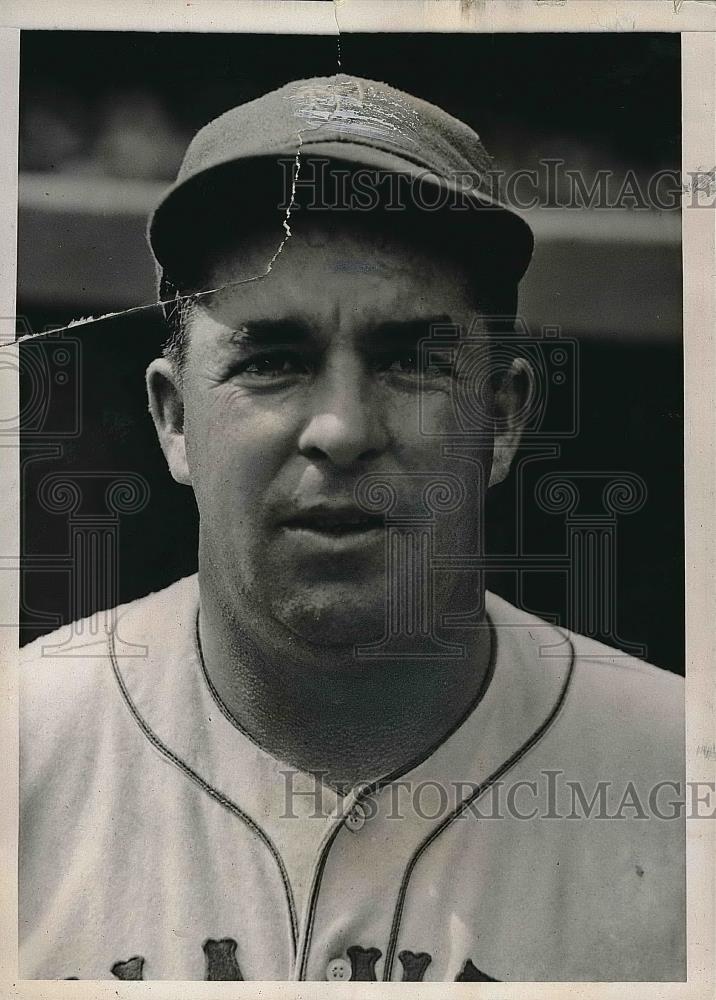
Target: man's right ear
(166, 405)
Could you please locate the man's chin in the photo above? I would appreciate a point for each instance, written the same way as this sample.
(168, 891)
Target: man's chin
(333, 620)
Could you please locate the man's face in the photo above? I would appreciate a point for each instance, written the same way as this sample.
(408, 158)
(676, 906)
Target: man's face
(297, 386)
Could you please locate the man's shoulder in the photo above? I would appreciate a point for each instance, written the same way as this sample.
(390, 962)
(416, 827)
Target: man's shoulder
(71, 667)
(617, 673)
(142, 618)
(615, 700)
(598, 662)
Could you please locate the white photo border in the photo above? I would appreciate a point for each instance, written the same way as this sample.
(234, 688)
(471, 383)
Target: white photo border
(696, 21)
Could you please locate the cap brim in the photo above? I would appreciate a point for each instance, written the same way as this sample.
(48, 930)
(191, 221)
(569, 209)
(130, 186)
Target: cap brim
(237, 190)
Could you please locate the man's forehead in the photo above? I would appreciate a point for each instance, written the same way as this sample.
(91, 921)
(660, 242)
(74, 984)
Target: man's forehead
(349, 302)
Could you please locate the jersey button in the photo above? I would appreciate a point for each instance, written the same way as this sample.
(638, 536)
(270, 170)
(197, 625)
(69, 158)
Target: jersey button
(338, 969)
(355, 820)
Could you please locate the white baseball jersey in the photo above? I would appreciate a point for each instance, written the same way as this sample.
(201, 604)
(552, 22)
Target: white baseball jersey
(159, 842)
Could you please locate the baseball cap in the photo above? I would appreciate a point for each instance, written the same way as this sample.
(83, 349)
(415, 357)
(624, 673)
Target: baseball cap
(350, 121)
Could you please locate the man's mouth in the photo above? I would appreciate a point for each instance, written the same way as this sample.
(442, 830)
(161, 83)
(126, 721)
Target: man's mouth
(335, 522)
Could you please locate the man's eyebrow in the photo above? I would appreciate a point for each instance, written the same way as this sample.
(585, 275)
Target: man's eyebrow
(286, 331)
(265, 332)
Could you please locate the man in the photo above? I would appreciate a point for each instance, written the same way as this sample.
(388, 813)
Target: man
(334, 762)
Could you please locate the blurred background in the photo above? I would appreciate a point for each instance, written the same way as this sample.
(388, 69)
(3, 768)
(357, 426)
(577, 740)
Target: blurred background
(104, 121)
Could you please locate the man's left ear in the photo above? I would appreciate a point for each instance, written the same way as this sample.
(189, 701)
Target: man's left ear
(513, 399)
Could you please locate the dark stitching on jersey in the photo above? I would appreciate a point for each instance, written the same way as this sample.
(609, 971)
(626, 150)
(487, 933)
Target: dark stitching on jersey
(323, 857)
(480, 790)
(313, 895)
(482, 690)
(221, 705)
(210, 790)
(369, 790)
(381, 783)
(393, 775)
(212, 690)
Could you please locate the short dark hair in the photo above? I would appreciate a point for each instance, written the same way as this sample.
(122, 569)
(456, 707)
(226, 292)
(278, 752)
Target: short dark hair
(176, 308)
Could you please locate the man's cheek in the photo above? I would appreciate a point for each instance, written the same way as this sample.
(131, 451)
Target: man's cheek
(421, 437)
(434, 415)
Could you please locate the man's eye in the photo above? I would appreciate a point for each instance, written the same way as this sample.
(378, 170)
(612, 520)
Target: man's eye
(276, 365)
(404, 363)
(410, 363)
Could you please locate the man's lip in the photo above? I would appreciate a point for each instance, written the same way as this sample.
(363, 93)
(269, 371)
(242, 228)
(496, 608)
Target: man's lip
(333, 520)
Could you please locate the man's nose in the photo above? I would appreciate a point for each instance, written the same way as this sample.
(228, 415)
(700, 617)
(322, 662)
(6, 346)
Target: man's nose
(346, 423)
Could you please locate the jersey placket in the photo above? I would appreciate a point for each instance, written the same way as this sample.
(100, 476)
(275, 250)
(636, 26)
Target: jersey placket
(360, 888)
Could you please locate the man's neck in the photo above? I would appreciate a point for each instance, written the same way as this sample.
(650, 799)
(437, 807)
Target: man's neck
(325, 711)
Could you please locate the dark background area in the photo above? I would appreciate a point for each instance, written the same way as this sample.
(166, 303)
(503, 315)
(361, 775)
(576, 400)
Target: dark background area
(104, 121)
(126, 104)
